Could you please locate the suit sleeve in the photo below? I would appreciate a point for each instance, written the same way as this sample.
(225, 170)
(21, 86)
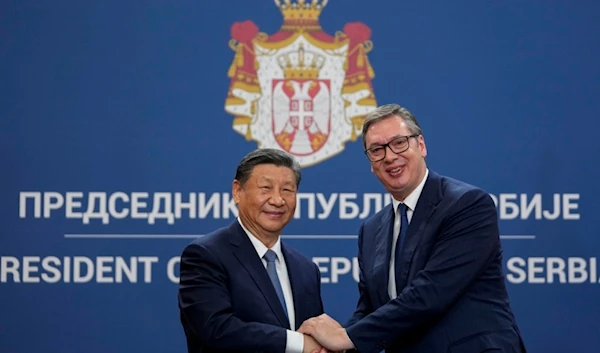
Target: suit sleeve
(318, 274)
(467, 244)
(363, 307)
(205, 305)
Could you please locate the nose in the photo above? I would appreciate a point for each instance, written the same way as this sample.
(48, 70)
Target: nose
(390, 155)
(276, 199)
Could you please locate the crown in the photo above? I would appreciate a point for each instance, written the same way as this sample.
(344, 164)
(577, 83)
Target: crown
(300, 64)
(301, 14)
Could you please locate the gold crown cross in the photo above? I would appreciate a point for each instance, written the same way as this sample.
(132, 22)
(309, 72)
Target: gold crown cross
(301, 64)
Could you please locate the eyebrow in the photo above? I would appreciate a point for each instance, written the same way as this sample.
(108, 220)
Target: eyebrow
(380, 144)
(271, 179)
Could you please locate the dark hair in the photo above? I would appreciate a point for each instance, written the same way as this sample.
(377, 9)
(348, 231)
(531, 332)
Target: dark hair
(266, 156)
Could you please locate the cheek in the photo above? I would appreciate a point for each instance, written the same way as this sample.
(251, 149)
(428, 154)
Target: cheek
(290, 201)
(257, 203)
(380, 172)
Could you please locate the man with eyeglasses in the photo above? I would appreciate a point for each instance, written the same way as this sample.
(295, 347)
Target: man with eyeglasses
(431, 277)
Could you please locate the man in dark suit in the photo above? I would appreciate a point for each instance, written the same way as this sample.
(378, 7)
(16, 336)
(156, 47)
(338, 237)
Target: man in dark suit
(431, 276)
(241, 289)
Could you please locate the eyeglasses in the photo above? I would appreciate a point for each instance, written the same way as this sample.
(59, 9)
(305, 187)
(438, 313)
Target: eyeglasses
(397, 145)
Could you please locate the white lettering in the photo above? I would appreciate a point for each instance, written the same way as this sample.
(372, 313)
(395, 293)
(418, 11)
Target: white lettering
(516, 274)
(323, 270)
(556, 213)
(532, 206)
(326, 205)
(345, 203)
(539, 270)
(555, 267)
(52, 273)
(67, 269)
(173, 262)
(577, 270)
(77, 269)
(91, 213)
(137, 204)
(71, 204)
(171, 206)
(569, 205)
(228, 206)
(37, 204)
(190, 205)
(508, 208)
(167, 213)
(52, 269)
(9, 265)
(112, 205)
(52, 201)
(148, 261)
(355, 270)
(102, 267)
(535, 266)
(205, 206)
(310, 199)
(339, 266)
(29, 270)
(593, 269)
(377, 202)
(130, 270)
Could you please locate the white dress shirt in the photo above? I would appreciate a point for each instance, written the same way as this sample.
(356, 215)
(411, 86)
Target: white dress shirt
(411, 203)
(295, 340)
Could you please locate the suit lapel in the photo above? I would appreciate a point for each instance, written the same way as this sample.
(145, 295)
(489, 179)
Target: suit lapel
(383, 246)
(428, 201)
(295, 283)
(246, 254)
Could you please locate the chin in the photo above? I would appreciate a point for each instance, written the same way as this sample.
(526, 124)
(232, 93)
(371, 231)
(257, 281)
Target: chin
(396, 183)
(396, 187)
(274, 225)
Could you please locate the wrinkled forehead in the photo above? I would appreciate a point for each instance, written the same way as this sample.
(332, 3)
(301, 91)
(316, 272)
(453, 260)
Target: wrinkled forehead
(272, 173)
(385, 130)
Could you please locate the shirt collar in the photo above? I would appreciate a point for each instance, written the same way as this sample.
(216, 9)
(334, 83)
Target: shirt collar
(261, 249)
(411, 200)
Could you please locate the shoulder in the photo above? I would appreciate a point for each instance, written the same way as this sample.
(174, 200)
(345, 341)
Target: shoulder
(212, 241)
(296, 255)
(461, 194)
(375, 219)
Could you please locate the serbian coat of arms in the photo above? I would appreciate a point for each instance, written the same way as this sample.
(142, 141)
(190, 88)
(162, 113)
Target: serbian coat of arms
(300, 89)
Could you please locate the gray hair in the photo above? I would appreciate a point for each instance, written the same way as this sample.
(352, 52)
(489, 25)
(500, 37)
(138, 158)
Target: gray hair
(386, 111)
(266, 156)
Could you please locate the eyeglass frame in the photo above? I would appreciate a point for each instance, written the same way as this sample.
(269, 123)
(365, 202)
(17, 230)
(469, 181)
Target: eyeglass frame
(387, 145)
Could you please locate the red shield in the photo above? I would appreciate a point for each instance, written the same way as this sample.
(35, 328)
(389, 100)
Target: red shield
(301, 114)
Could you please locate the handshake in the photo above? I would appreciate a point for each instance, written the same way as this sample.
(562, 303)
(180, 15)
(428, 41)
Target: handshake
(323, 334)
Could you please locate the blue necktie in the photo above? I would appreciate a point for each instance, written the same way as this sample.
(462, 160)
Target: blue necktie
(399, 244)
(270, 256)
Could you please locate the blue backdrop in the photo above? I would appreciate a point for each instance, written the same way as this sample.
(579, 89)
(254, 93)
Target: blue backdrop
(122, 122)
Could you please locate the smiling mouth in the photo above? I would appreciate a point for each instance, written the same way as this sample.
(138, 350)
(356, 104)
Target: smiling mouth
(275, 214)
(395, 171)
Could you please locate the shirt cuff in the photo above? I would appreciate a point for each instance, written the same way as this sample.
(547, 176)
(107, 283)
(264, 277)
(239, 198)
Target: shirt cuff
(294, 342)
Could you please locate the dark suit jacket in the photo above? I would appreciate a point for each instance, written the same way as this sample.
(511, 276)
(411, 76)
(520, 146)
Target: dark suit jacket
(454, 297)
(227, 301)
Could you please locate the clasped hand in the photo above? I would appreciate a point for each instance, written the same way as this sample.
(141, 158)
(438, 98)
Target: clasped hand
(328, 333)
